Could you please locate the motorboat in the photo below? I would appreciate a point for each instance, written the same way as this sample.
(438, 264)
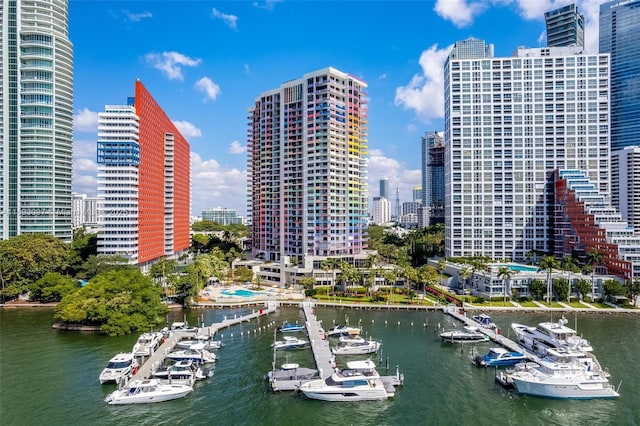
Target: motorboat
(467, 334)
(548, 335)
(291, 371)
(290, 343)
(485, 321)
(351, 337)
(184, 372)
(147, 391)
(562, 378)
(499, 357)
(358, 382)
(342, 330)
(356, 347)
(121, 366)
(291, 328)
(206, 341)
(147, 344)
(183, 327)
(196, 353)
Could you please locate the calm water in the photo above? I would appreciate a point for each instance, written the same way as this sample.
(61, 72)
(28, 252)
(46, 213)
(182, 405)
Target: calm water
(51, 377)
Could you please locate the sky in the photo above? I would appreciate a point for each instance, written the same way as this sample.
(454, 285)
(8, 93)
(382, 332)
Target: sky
(205, 63)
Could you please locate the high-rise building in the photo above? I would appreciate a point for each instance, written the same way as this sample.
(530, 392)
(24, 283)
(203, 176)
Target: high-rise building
(381, 211)
(417, 194)
(509, 123)
(144, 182)
(84, 210)
(221, 215)
(565, 27)
(36, 111)
(307, 167)
(625, 183)
(384, 188)
(432, 153)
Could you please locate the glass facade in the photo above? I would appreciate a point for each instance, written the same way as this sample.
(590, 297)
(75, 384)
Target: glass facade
(565, 26)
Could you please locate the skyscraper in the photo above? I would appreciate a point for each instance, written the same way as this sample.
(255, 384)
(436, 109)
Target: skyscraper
(432, 148)
(384, 188)
(36, 109)
(144, 182)
(509, 123)
(625, 183)
(565, 27)
(307, 168)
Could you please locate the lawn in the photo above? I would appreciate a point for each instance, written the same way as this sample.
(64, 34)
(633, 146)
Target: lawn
(577, 304)
(528, 304)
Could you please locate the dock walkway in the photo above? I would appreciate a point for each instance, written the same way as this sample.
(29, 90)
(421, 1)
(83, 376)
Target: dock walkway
(325, 361)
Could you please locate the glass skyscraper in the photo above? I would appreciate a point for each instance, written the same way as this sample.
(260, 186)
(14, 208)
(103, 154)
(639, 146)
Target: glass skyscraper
(36, 109)
(565, 26)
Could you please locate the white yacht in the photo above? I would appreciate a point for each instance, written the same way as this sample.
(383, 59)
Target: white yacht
(184, 372)
(548, 335)
(206, 341)
(147, 344)
(356, 347)
(343, 330)
(467, 334)
(565, 378)
(147, 391)
(358, 382)
(290, 343)
(196, 353)
(123, 365)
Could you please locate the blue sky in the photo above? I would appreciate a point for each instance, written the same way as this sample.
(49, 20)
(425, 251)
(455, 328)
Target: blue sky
(205, 63)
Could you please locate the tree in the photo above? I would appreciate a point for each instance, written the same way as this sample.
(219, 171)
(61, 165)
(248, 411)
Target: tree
(560, 288)
(504, 273)
(537, 288)
(465, 273)
(308, 282)
(584, 287)
(331, 264)
(52, 287)
(98, 264)
(613, 288)
(243, 274)
(548, 263)
(569, 265)
(633, 289)
(594, 259)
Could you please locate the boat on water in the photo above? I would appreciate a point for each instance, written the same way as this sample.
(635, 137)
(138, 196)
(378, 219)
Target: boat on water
(466, 334)
(343, 330)
(196, 353)
(290, 343)
(180, 326)
(121, 366)
(358, 382)
(562, 378)
(206, 341)
(184, 372)
(356, 347)
(147, 344)
(499, 357)
(147, 391)
(291, 371)
(291, 328)
(485, 321)
(548, 335)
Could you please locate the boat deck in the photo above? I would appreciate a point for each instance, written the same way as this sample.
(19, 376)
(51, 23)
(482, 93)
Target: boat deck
(160, 354)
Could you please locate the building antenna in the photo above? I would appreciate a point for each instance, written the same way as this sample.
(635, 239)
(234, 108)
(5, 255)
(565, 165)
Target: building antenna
(398, 203)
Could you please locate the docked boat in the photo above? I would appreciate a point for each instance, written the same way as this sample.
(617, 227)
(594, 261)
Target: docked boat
(291, 328)
(205, 341)
(196, 353)
(499, 357)
(122, 366)
(485, 321)
(548, 335)
(358, 382)
(343, 330)
(290, 343)
(147, 344)
(467, 334)
(562, 378)
(147, 391)
(183, 372)
(183, 327)
(356, 347)
(291, 371)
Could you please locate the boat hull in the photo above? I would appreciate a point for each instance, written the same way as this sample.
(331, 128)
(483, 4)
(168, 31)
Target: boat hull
(583, 390)
(120, 398)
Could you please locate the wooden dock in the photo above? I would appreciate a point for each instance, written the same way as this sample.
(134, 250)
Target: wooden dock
(325, 361)
(157, 359)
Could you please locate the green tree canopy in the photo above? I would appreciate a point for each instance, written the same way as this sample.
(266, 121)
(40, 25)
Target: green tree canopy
(52, 287)
(537, 288)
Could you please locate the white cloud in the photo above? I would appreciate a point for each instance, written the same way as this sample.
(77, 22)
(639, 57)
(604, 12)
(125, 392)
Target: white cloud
(230, 20)
(236, 148)
(411, 128)
(171, 63)
(247, 70)
(382, 76)
(187, 129)
(380, 166)
(137, 17)
(84, 167)
(425, 92)
(85, 121)
(267, 4)
(214, 185)
(206, 85)
(460, 12)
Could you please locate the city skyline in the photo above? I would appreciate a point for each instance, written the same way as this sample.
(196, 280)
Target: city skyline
(208, 87)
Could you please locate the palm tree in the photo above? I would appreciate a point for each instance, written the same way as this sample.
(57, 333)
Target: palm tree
(548, 263)
(568, 264)
(332, 264)
(465, 273)
(594, 259)
(504, 273)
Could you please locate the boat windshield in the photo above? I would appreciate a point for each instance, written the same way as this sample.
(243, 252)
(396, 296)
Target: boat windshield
(118, 364)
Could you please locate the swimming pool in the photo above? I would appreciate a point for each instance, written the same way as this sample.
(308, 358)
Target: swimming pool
(519, 268)
(240, 293)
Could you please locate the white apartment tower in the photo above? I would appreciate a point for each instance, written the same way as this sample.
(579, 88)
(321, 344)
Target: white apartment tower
(509, 123)
(307, 166)
(625, 183)
(381, 211)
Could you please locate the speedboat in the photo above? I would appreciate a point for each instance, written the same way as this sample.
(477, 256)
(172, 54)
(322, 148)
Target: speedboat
(560, 378)
(290, 343)
(291, 328)
(183, 372)
(183, 327)
(123, 365)
(200, 340)
(358, 382)
(499, 357)
(485, 321)
(342, 330)
(147, 344)
(356, 347)
(147, 391)
(291, 371)
(467, 334)
(548, 335)
(196, 353)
